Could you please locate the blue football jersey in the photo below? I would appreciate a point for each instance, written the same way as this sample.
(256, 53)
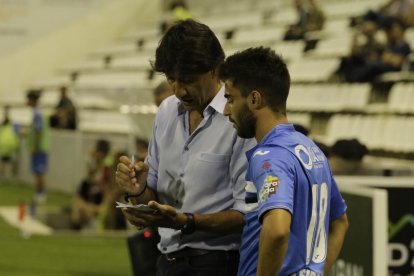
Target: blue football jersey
(288, 171)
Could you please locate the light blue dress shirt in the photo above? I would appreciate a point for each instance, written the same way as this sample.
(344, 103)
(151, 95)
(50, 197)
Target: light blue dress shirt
(199, 173)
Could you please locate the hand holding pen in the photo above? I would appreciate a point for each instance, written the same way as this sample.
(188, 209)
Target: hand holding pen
(131, 177)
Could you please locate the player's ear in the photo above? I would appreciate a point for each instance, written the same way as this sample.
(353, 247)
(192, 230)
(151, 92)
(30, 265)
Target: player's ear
(255, 99)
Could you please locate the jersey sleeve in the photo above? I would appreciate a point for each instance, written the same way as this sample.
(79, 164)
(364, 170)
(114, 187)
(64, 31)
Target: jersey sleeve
(237, 170)
(273, 178)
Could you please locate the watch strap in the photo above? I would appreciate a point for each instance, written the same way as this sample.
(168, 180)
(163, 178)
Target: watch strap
(189, 226)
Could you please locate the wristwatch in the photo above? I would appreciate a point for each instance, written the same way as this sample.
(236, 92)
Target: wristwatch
(189, 226)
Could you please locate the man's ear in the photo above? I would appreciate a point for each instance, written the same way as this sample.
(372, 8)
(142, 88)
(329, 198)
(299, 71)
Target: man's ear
(255, 99)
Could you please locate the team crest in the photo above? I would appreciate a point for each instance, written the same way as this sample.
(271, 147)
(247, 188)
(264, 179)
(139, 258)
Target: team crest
(266, 165)
(270, 185)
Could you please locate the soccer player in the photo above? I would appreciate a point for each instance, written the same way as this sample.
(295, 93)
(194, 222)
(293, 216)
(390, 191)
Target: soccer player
(296, 220)
(38, 142)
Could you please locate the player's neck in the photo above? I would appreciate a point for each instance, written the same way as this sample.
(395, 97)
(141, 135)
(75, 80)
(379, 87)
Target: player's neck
(266, 121)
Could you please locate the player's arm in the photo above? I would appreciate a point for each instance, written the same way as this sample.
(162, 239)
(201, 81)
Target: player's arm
(337, 231)
(273, 242)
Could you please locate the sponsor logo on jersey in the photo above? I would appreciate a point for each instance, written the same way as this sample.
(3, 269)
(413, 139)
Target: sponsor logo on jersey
(270, 185)
(303, 154)
(309, 156)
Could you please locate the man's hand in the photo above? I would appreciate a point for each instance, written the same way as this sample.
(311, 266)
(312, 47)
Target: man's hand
(131, 178)
(167, 217)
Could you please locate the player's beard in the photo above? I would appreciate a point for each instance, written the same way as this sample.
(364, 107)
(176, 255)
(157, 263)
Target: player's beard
(246, 123)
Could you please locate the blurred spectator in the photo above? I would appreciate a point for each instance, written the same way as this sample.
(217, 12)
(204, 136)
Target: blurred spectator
(397, 46)
(141, 148)
(178, 11)
(402, 10)
(365, 49)
(310, 18)
(65, 112)
(38, 143)
(324, 148)
(391, 59)
(162, 91)
(87, 202)
(111, 217)
(9, 143)
(365, 45)
(346, 157)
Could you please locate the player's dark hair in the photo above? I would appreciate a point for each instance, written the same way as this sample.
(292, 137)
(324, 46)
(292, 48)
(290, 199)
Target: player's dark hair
(259, 69)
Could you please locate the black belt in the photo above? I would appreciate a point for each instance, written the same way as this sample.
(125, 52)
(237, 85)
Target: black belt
(191, 252)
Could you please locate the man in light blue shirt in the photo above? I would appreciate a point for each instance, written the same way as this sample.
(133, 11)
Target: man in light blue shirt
(194, 173)
(296, 220)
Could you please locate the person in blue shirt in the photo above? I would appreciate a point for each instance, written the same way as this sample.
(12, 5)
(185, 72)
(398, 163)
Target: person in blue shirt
(194, 175)
(296, 220)
(38, 140)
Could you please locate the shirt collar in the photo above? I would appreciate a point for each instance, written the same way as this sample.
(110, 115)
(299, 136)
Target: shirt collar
(279, 129)
(218, 101)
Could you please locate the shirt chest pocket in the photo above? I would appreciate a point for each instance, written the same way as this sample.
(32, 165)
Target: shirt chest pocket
(212, 170)
(206, 176)
(214, 158)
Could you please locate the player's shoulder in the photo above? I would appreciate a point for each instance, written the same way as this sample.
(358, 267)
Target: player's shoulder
(271, 152)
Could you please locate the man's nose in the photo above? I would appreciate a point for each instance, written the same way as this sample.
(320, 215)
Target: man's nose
(178, 89)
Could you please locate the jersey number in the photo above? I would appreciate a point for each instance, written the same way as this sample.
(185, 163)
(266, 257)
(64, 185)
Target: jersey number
(317, 242)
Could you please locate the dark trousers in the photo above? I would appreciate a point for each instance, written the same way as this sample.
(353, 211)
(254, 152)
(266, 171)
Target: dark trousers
(216, 263)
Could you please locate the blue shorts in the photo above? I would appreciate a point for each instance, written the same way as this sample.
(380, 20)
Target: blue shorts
(39, 163)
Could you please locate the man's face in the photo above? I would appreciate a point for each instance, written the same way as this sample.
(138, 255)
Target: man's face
(194, 91)
(369, 28)
(238, 112)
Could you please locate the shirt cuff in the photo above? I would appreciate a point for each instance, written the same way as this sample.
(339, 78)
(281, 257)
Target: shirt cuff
(239, 205)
